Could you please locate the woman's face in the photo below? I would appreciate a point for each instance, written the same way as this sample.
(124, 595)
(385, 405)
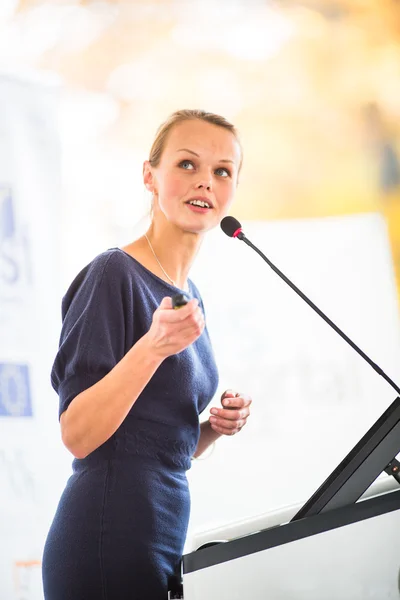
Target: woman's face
(200, 162)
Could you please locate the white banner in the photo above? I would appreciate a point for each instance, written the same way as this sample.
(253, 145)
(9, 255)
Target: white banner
(29, 328)
(314, 397)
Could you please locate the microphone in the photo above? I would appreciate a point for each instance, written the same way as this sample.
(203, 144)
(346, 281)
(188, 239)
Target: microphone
(232, 228)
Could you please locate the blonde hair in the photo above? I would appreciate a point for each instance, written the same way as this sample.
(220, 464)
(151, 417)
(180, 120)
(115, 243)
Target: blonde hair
(187, 115)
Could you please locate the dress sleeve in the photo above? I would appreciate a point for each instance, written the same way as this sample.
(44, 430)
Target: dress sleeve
(92, 337)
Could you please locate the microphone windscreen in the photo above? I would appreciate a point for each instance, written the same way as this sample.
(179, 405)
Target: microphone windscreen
(230, 226)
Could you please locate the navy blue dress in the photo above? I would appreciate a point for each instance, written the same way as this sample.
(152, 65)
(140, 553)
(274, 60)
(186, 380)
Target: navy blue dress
(121, 523)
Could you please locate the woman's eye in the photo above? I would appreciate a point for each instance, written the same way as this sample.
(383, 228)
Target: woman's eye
(185, 162)
(227, 173)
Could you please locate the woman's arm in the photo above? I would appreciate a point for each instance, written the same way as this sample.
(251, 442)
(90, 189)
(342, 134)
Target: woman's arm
(97, 412)
(207, 437)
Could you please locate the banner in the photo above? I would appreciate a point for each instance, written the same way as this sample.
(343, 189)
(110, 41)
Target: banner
(313, 396)
(29, 326)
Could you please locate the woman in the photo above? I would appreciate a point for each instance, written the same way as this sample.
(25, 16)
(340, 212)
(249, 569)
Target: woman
(133, 375)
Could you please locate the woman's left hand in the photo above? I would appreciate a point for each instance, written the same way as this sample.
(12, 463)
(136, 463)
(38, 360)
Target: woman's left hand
(230, 420)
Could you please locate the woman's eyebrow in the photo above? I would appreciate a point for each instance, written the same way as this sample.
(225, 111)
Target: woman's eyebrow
(198, 156)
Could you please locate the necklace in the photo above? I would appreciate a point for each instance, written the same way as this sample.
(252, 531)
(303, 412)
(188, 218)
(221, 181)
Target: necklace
(161, 267)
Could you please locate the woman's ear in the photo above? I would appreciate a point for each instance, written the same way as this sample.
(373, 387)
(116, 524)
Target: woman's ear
(148, 178)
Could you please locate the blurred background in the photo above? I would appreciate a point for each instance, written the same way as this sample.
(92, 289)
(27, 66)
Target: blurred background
(313, 87)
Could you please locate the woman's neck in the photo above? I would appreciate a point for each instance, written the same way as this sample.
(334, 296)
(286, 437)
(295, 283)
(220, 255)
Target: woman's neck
(166, 256)
(173, 254)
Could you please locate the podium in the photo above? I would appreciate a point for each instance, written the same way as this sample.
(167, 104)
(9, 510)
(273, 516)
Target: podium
(342, 544)
(348, 553)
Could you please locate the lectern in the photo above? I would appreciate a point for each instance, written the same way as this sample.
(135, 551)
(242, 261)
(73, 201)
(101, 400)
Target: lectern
(336, 547)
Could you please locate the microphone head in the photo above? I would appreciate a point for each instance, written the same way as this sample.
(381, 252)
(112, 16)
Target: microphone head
(231, 226)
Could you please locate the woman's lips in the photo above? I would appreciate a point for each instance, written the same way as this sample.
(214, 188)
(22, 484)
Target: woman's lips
(198, 209)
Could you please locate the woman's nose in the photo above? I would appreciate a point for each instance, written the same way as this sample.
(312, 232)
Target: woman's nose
(204, 183)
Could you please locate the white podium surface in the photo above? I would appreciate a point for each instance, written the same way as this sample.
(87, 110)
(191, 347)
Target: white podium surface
(358, 561)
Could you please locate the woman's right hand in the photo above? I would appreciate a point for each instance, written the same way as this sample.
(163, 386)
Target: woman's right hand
(174, 330)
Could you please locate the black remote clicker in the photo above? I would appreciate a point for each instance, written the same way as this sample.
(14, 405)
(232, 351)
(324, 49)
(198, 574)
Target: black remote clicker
(179, 300)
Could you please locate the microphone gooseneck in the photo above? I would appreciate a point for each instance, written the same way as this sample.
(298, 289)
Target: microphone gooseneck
(232, 228)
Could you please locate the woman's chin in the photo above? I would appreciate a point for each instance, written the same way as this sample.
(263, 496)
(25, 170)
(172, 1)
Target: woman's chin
(198, 226)
(198, 230)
